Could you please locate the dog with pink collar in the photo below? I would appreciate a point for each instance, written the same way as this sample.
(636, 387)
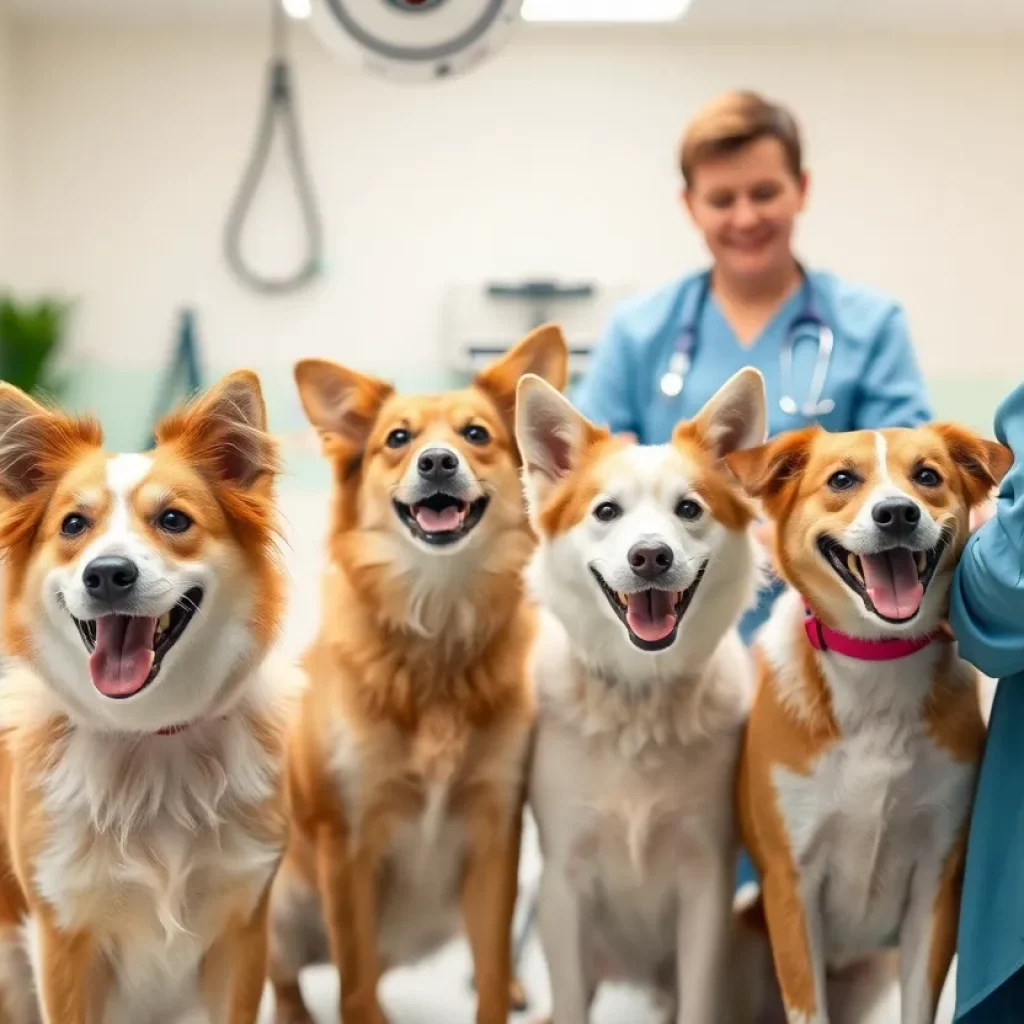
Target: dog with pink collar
(859, 765)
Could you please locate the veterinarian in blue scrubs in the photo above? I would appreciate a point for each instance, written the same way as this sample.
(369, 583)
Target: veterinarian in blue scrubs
(987, 618)
(830, 351)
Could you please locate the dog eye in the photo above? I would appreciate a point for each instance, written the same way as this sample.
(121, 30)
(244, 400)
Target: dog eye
(174, 521)
(927, 477)
(475, 434)
(843, 480)
(398, 438)
(607, 511)
(689, 510)
(73, 525)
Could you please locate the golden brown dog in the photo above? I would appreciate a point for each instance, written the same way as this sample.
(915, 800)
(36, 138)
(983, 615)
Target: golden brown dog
(859, 764)
(408, 759)
(141, 773)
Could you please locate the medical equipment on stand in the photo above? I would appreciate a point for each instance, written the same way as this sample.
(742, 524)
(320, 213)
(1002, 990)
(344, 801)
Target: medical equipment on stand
(482, 319)
(183, 376)
(540, 294)
(416, 40)
(809, 316)
(279, 103)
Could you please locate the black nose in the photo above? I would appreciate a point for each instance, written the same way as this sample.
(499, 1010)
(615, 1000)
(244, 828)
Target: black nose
(897, 517)
(437, 464)
(109, 578)
(650, 560)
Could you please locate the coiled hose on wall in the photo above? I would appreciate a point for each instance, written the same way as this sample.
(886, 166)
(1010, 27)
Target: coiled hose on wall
(279, 104)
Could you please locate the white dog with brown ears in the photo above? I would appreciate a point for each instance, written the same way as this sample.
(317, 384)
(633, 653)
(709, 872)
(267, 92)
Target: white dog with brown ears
(646, 562)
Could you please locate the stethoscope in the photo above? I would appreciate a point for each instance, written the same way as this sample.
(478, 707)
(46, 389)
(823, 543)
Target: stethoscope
(679, 363)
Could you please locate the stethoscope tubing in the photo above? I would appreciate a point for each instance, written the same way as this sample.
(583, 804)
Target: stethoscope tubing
(815, 405)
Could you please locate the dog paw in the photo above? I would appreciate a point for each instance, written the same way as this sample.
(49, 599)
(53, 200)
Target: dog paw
(289, 1007)
(517, 996)
(292, 1015)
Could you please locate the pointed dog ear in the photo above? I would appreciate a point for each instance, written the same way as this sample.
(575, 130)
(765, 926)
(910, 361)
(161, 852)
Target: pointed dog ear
(982, 463)
(542, 353)
(37, 444)
(225, 430)
(341, 404)
(551, 434)
(733, 419)
(768, 471)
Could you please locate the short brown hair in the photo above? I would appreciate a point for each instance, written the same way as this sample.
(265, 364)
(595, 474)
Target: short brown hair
(733, 121)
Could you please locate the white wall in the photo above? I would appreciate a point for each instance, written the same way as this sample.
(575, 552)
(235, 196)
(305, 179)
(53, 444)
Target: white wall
(556, 157)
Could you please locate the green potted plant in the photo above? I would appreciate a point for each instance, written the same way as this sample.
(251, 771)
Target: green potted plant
(31, 335)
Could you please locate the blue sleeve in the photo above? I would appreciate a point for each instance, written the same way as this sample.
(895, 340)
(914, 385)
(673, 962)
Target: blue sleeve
(603, 395)
(987, 600)
(892, 391)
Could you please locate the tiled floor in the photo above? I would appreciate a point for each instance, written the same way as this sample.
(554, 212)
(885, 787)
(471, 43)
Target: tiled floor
(437, 993)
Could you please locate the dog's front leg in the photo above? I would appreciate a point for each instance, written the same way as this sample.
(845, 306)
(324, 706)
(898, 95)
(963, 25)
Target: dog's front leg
(561, 929)
(488, 905)
(72, 985)
(347, 876)
(795, 929)
(703, 936)
(928, 936)
(234, 971)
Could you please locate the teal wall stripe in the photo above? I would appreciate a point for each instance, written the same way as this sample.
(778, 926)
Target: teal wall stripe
(123, 399)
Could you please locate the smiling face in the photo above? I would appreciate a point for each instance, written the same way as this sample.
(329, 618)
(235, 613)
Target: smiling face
(432, 469)
(423, 480)
(643, 548)
(745, 204)
(870, 524)
(141, 585)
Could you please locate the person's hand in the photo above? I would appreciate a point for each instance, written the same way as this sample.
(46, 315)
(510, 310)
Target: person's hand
(981, 514)
(764, 532)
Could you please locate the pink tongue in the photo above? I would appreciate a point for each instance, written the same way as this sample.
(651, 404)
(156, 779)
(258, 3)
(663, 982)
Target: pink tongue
(651, 614)
(892, 583)
(120, 664)
(443, 521)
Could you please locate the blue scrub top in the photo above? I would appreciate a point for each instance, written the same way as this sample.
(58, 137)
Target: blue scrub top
(873, 377)
(987, 618)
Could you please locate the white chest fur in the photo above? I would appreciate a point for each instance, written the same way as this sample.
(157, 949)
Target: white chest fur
(882, 803)
(151, 846)
(632, 798)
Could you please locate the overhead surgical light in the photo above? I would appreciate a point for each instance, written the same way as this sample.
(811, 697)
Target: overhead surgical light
(417, 40)
(608, 11)
(297, 9)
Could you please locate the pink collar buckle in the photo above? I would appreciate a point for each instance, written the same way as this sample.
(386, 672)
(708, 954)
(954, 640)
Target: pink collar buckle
(823, 638)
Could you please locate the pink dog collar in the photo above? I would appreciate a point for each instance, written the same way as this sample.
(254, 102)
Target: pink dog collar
(823, 638)
(172, 730)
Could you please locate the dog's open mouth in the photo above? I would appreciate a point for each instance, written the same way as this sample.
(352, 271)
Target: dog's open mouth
(126, 651)
(892, 583)
(441, 518)
(651, 616)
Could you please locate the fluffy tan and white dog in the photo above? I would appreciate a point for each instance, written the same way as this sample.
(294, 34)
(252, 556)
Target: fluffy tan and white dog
(645, 563)
(859, 763)
(408, 759)
(141, 791)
